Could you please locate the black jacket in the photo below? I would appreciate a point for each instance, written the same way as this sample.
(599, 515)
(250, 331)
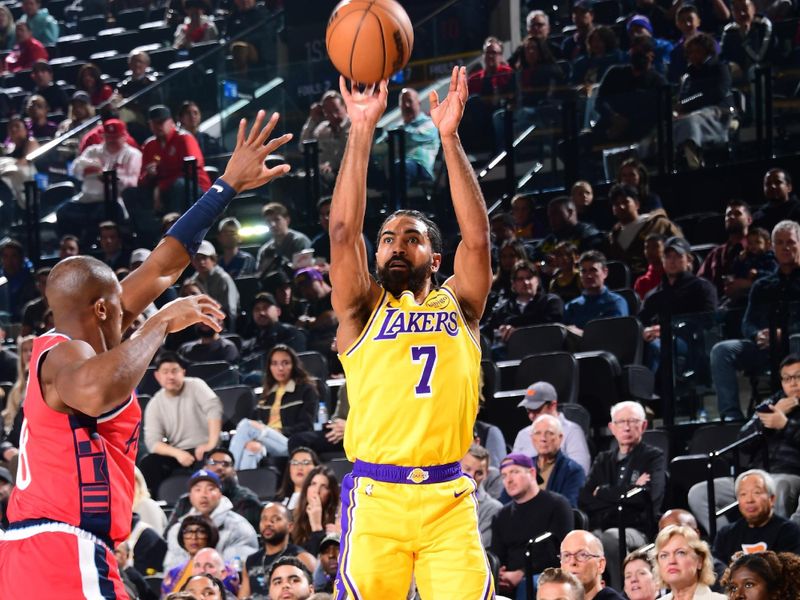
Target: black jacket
(689, 294)
(298, 408)
(544, 308)
(708, 84)
(783, 445)
(611, 481)
(584, 236)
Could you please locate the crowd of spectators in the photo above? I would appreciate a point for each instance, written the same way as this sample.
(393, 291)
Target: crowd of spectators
(555, 481)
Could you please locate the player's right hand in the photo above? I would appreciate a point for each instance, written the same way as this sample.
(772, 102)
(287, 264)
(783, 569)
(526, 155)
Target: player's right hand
(183, 312)
(367, 107)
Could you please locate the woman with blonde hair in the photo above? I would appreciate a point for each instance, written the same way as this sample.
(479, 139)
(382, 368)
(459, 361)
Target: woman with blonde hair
(684, 565)
(143, 505)
(17, 392)
(8, 33)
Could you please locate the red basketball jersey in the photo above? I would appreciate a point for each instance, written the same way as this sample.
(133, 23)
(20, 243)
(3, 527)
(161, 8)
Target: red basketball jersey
(75, 469)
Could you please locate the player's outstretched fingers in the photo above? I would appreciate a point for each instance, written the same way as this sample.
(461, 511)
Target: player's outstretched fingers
(433, 98)
(268, 129)
(276, 143)
(256, 128)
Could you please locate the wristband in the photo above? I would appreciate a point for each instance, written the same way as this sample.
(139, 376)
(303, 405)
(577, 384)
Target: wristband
(191, 228)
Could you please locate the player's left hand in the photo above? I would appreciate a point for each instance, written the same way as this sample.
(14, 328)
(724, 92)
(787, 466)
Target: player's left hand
(246, 169)
(446, 115)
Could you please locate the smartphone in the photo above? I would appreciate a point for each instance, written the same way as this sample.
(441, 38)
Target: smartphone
(765, 408)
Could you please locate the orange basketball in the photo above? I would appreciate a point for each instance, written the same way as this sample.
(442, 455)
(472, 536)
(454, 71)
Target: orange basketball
(369, 40)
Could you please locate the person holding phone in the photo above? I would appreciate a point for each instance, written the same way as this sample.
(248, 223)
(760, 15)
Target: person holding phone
(778, 419)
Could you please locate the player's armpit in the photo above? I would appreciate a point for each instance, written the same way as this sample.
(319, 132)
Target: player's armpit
(472, 279)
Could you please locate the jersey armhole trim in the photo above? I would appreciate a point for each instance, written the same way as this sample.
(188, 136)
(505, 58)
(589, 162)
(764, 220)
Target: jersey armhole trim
(367, 327)
(449, 291)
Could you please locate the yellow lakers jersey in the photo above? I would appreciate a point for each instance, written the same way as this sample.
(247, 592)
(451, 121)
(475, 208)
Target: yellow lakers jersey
(412, 382)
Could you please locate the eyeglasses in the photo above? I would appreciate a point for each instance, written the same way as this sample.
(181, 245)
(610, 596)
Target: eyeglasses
(581, 556)
(222, 463)
(791, 378)
(301, 463)
(628, 422)
(195, 532)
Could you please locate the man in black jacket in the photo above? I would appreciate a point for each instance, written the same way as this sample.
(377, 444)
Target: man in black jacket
(680, 292)
(562, 217)
(265, 329)
(530, 304)
(778, 421)
(532, 512)
(624, 470)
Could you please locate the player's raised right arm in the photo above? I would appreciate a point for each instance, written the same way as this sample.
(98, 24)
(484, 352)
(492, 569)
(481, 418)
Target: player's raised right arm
(353, 288)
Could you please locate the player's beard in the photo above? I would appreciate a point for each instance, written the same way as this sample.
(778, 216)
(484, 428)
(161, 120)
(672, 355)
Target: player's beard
(413, 280)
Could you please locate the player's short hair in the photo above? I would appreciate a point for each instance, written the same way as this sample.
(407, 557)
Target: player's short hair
(434, 233)
(232, 221)
(291, 561)
(15, 245)
(760, 232)
(784, 172)
(325, 200)
(109, 225)
(741, 203)
(555, 575)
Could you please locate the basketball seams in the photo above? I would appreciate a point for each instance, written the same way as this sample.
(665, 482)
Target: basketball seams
(364, 14)
(354, 49)
(383, 41)
(401, 28)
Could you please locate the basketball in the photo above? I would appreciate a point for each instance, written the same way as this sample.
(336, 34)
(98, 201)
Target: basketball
(369, 40)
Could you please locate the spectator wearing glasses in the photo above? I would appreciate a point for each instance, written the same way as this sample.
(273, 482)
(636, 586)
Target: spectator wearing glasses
(301, 461)
(489, 88)
(778, 420)
(582, 555)
(245, 501)
(195, 533)
(541, 399)
(632, 466)
(537, 24)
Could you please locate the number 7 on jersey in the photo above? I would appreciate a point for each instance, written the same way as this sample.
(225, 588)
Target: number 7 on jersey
(427, 356)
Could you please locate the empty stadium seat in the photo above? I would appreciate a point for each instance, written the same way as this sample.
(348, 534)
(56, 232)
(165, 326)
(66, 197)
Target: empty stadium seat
(535, 339)
(340, 466)
(238, 402)
(263, 481)
(315, 363)
(173, 487)
(619, 275)
(215, 373)
(560, 369)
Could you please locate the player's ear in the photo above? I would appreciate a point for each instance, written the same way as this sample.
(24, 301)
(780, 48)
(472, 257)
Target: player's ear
(436, 262)
(100, 309)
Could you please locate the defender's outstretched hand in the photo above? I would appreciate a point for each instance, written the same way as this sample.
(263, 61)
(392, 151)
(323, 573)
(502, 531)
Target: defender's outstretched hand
(447, 114)
(367, 107)
(246, 169)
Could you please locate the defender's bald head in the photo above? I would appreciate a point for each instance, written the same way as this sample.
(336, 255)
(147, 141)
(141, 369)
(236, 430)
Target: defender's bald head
(77, 282)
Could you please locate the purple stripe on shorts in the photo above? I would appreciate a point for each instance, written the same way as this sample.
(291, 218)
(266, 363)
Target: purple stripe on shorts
(348, 495)
(410, 475)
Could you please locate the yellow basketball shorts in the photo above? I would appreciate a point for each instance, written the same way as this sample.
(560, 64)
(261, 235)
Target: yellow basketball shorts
(404, 521)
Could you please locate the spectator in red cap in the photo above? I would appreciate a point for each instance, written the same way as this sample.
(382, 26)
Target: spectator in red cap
(162, 162)
(88, 207)
(27, 51)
